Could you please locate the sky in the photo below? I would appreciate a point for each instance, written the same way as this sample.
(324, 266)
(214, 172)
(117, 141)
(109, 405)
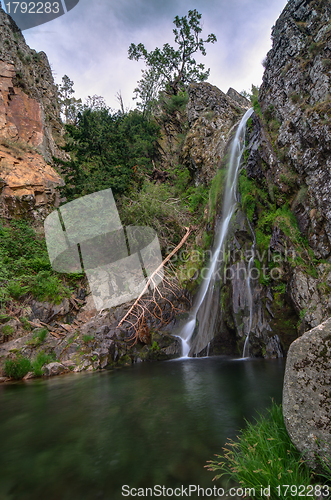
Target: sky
(90, 43)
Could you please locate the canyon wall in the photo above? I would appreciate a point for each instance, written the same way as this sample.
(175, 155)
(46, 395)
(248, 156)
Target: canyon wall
(30, 127)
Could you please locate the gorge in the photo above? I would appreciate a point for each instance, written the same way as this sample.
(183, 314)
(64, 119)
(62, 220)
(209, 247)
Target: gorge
(251, 184)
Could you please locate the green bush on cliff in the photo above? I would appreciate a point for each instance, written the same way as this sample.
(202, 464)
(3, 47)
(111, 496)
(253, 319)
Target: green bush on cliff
(41, 360)
(156, 206)
(17, 368)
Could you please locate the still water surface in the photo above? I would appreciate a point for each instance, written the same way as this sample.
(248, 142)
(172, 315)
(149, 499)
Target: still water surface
(81, 437)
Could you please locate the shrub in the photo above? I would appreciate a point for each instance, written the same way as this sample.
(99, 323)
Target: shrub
(38, 337)
(156, 206)
(40, 361)
(7, 330)
(26, 325)
(17, 368)
(25, 267)
(263, 455)
(87, 338)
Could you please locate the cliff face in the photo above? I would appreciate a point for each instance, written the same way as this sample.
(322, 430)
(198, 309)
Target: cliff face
(30, 127)
(288, 170)
(211, 116)
(296, 94)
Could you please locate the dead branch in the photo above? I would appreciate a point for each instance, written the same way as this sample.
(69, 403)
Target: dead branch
(150, 305)
(150, 280)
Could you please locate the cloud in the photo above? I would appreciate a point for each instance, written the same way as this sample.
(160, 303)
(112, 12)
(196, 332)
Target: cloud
(90, 43)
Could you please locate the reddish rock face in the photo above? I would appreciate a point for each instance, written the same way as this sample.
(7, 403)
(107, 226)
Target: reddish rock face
(27, 182)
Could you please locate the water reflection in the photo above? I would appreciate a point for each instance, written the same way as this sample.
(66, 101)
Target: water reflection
(82, 437)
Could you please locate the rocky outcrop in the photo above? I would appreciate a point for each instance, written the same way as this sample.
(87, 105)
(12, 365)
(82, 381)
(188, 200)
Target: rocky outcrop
(295, 101)
(307, 394)
(55, 369)
(211, 116)
(241, 100)
(80, 339)
(30, 127)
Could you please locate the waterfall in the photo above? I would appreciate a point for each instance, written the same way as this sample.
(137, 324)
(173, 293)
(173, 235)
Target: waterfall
(202, 303)
(249, 292)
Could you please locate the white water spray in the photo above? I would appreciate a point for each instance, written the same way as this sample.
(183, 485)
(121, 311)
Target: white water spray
(229, 204)
(249, 292)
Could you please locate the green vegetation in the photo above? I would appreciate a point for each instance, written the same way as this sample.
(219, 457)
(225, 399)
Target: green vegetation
(158, 206)
(38, 337)
(17, 368)
(7, 330)
(108, 150)
(87, 338)
(255, 100)
(25, 268)
(41, 360)
(216, 191)
(26, 325)
(263, 455)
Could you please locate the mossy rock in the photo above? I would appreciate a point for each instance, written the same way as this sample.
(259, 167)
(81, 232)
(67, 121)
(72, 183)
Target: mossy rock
(125, 360)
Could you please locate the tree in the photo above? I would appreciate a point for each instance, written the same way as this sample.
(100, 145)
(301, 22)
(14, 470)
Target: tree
(108, 150)
(173, 69)
(69, 105)
(95, 103)
(147, 90)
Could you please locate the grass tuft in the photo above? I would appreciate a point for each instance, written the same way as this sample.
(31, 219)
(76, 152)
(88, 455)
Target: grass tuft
(263, 455)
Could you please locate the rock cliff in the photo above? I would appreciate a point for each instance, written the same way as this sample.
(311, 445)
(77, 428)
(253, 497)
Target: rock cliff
(211, 116)
(30, 127)
(287, 178)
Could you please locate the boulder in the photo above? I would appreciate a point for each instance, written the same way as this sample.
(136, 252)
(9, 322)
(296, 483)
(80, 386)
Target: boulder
(55, 369)
(307, 393)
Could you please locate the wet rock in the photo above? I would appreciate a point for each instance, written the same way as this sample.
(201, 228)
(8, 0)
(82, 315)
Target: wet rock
(29, 376)
(69, 364)
(307, 393)
(55, 368)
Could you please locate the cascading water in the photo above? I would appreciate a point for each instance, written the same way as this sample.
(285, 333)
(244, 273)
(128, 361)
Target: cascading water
(249, 292)
(203, 299)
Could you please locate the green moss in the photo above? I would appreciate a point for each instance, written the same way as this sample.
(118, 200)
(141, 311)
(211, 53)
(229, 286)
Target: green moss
(216, 192)
(87, 338)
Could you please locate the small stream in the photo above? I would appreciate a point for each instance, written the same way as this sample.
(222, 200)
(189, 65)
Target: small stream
(83, 436)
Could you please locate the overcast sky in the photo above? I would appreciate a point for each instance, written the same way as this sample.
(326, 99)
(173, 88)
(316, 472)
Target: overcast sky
(90, 43)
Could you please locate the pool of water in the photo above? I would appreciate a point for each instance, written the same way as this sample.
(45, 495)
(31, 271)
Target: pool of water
(84, 436)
